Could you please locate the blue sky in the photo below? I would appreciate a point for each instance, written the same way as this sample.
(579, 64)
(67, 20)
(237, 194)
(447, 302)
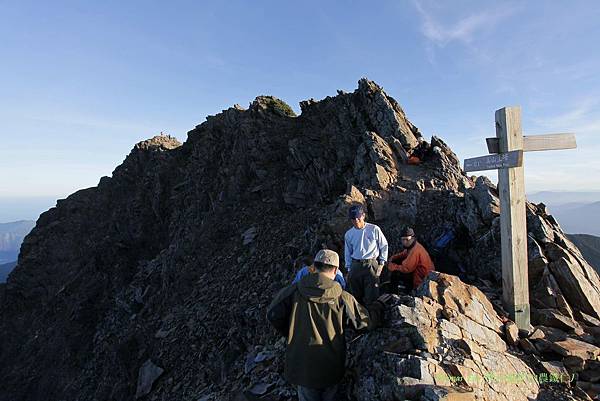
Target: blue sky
(82, 82)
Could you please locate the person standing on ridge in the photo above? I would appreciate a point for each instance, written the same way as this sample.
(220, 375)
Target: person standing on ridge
(312, 314)
(413, 260)
(365, 253)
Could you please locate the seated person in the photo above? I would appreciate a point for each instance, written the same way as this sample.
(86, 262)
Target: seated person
(308, 267)
(413, 260)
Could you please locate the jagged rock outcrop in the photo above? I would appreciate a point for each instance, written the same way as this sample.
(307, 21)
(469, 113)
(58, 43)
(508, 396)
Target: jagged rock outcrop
(449, 338)
(174, 258)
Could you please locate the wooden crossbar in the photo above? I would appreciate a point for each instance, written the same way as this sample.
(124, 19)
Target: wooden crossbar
(533, 143)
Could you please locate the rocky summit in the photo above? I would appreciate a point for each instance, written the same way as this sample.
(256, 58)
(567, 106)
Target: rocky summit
(154, 284)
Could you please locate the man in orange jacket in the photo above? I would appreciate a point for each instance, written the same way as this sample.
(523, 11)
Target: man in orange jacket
(414, 259)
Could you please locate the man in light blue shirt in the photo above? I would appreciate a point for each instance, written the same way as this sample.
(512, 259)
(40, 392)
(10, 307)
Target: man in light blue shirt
(365, 253)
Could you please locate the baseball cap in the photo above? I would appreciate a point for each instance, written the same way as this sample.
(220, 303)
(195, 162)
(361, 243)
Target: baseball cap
(328, 257)
(356, 211)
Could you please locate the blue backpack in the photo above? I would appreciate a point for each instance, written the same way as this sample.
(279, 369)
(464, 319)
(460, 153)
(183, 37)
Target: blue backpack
(444, 239)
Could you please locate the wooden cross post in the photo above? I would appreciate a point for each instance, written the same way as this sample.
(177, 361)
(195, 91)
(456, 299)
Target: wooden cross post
(507, 148)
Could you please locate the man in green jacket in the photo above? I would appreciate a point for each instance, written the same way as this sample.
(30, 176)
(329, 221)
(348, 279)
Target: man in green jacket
(312, 314)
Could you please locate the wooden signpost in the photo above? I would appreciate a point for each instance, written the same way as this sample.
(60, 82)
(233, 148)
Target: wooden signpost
(507, 156)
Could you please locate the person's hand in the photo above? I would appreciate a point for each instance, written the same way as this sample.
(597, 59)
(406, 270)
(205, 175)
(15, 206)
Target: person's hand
(379, 269)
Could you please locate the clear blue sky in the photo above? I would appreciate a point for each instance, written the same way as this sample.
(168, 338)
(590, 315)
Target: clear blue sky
(82, 82)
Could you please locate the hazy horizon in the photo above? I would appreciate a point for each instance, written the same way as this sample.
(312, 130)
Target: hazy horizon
(25, 208)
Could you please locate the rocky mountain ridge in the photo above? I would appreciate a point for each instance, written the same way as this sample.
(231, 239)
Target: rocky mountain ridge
(579, 219)
(153, 285)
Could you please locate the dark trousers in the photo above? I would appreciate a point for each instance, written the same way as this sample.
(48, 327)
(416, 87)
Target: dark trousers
(317, 394)
(363, 282)
(395, 282)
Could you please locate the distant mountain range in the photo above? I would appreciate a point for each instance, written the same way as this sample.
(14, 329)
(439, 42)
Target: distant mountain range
(11, 236)
(576, 212)
(589, 246)
(5, 269)
(552, 198)
(575, 218)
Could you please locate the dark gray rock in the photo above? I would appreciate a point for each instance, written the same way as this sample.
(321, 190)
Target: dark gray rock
(147, 375)
(552, 318)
